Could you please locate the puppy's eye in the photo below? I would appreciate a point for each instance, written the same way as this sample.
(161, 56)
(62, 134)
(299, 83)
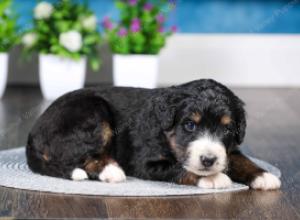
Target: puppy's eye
(190, 126)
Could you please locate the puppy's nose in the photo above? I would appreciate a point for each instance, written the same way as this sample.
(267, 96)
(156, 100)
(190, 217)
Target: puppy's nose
(208, 161)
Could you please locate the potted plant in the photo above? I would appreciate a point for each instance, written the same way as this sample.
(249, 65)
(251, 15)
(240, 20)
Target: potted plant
(66, 36)
(136, 41)
(8, 38)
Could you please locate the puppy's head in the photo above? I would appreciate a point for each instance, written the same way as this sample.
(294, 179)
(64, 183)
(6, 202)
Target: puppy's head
(202, 123)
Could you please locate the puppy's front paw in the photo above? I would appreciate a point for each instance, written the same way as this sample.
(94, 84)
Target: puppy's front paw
(79, 174)
(112, 173)
(266, 181)
(217, 181)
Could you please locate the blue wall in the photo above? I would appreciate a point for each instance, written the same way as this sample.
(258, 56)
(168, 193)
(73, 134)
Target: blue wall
(209, 16)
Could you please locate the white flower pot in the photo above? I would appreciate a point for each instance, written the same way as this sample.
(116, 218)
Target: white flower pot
(3, 72)
(60, 75)
(135, 70)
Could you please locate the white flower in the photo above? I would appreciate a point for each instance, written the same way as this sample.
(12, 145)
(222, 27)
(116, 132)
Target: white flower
(29, 39)
(71, 40)
(43, 10)
(90, 22)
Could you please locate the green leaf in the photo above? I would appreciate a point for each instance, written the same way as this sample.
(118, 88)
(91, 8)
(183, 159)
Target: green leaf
(66, 16)
(91, 39)
(120, 5)
(148, 40)
(95, 63)
(8, 26)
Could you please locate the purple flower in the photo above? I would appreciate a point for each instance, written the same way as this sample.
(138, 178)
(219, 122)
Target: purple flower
(160, 18)
(122, 32)
(174, 29)
(107, 24)
(148, 6)
(161, 29)
(132, 2)
(135, 25)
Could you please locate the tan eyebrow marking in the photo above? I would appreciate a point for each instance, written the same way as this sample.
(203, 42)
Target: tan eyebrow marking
(225, 120)
(196, 117)
(45, 157)
(106, 133)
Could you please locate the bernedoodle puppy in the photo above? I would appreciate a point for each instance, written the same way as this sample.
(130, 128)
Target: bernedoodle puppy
(187, 134)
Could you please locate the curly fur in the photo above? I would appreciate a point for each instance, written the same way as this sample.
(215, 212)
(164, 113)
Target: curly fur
(140, 130)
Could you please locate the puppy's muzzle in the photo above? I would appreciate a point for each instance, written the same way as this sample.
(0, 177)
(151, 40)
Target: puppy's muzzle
(206, 156)
(207, 161)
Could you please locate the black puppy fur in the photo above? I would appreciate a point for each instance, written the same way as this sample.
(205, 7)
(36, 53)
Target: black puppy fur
(146, 132)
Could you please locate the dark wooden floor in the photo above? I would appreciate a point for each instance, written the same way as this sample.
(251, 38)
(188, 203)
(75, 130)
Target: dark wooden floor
(273, 135)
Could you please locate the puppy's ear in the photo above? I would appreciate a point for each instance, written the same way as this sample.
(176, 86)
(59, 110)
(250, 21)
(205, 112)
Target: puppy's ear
(165, 110)
(240, 120)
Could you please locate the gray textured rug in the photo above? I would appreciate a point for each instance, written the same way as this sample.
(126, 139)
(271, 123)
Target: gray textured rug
(15, 173)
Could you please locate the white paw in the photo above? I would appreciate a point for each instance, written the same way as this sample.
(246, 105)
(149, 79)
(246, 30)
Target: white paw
(217, 181)
(79, 174)
(266, 181)
(112, 174)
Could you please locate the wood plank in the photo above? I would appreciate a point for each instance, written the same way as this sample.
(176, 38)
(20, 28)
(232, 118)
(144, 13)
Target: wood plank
(6, 202)
(28, 204)
(249, 204)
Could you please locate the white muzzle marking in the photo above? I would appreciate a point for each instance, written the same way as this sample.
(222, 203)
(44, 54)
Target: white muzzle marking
(206, 146)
